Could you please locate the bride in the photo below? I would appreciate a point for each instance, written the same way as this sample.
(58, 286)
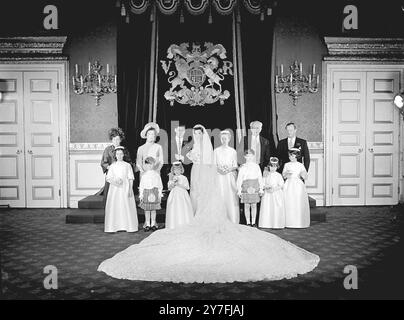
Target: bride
(201, 155)
(211, 248)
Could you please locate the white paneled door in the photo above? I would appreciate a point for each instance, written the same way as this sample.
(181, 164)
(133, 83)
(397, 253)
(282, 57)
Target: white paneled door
(37, 148)
(382, 145)
(365, 138)
(12, 159)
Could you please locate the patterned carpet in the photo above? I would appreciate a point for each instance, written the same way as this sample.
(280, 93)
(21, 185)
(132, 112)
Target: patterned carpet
(368, 238)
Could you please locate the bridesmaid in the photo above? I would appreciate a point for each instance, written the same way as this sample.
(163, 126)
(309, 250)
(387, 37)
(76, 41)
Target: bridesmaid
(150, 148)
(225, 159)
(116, 136)
(272, 211)
(297, 209)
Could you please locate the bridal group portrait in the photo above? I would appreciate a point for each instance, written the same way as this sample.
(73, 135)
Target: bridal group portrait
(201, 150)
(202, 239)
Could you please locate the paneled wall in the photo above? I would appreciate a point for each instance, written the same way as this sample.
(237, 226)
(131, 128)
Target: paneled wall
(86, 176)
(315, 183)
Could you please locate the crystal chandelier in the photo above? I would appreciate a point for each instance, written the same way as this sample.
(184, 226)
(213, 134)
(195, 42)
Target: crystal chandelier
(94, 82)
(296, 83)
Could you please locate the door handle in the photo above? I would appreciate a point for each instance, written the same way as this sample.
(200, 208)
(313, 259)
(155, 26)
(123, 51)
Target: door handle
(360, 150)
(19, 151)
(30, 152)
(371, 150)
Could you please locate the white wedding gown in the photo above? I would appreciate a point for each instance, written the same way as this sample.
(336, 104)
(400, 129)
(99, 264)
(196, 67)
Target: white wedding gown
(210, 249)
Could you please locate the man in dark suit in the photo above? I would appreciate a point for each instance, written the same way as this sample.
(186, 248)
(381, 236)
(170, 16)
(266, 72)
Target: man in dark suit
(259, 144)
(180, 146)
(293, 142)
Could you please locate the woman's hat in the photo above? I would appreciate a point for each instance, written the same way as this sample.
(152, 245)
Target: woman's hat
(119, 148)
(225, 132)
(150, 125)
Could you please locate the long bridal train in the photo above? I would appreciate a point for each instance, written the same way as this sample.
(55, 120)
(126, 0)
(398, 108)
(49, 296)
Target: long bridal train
(210, 249)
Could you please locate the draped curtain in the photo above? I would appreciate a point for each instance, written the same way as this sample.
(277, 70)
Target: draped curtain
(257, 42)
(133, 63)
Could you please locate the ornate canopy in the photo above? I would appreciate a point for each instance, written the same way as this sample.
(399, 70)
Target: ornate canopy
(196, 7)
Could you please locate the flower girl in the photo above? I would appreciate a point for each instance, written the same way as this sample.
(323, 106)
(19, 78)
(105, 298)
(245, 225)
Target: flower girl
(150, 194)
(272, 211)
(250, 186)
(120, 207)
(297, 209)
(179, 206)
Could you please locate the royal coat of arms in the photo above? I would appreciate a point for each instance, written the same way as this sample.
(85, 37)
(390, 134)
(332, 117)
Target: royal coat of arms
(195, 76)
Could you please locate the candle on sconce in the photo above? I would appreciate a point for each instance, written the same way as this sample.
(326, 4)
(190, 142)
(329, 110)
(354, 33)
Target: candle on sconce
(107, 68)
(77, 69)
(282, 70)
(115, 80)
(81, 81)
(318, 79)
(314, 69)
(74, 82)
(99, 79)
(276, 80)
(291, 80)
(309, 78)
(301, 67)
(89, 67)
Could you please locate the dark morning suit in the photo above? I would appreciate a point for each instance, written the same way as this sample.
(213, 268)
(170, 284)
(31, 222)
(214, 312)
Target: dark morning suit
(283, 154)
(186, 146)
(265, 153)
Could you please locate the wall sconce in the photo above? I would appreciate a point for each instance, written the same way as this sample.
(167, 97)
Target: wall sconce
(94, 82)
(296, 83)
(399, 103)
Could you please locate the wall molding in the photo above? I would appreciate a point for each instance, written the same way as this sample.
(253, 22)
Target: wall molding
(365, 47)
(51, 45)
(88, 146)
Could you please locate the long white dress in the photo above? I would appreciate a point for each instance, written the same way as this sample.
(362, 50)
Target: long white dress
(227, 157)
(120, 210)
(297, 208)
(210, 249)
(200, 155)
(272, 211)
(179, 208)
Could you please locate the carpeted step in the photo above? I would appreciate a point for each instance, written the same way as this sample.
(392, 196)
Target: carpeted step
(97, 216)
(312, 202)
(92, 202)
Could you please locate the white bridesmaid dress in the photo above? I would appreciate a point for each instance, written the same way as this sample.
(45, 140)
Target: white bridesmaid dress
(227, 156)
(120, 210)
(179, 207)
(272, 211)
(297, 208)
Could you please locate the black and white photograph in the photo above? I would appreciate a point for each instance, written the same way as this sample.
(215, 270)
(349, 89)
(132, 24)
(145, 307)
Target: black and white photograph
(201, 155)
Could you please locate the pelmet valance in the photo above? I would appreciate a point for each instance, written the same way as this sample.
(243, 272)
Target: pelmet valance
(197, 7)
